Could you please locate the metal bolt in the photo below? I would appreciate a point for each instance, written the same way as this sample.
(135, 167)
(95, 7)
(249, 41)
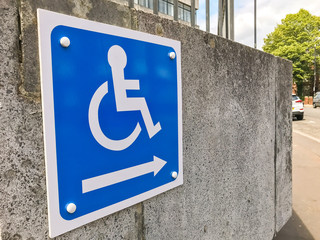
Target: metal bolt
(71, 208)
(174, 175)
(172, 55)
(65, 42)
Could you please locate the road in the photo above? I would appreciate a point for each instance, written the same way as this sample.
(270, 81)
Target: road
(305, 221)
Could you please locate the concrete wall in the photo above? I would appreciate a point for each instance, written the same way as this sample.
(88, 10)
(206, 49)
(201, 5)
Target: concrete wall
(236, 135)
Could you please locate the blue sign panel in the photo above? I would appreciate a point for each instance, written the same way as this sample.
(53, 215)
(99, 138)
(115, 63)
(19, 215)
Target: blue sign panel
(116, 104)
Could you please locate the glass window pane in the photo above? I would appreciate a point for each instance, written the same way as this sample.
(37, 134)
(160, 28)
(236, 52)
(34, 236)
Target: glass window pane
(180, 13)
(170, 9)
(166, 7)
(150, 4)
(187, 16)
(142, 3)
(162, 6)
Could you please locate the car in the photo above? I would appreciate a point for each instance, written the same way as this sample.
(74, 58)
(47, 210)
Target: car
(297, 107)
(316, 100)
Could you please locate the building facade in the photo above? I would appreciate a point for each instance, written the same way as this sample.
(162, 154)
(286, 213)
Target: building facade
(167, 7)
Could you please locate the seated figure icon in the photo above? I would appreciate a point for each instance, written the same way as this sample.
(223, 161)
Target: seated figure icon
(117, 59)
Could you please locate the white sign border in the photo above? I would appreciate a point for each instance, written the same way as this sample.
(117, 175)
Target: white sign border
(47, 21)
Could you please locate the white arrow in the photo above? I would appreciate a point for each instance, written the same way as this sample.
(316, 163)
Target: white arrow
(108, 179)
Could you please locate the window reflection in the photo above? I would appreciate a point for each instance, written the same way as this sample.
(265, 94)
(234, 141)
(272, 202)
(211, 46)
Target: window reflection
(145, 3)
(167, 7)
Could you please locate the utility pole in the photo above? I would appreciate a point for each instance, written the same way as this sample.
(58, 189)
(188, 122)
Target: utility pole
(208, 15)
(226, 19)
(315, 65)
(315, 70)
(255, 23)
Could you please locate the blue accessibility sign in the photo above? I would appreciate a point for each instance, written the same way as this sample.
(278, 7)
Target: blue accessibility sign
(112, 116)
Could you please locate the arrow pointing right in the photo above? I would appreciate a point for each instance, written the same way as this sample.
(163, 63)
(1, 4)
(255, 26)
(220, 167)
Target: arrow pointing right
(108, 179)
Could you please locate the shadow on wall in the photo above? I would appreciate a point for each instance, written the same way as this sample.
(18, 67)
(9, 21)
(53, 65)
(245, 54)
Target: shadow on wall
(294, 230)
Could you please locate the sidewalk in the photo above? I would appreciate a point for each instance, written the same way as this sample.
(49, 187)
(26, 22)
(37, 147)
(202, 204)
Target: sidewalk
(305, 221)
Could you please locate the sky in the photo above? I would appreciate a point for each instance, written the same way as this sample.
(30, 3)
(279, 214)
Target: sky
(269, 14)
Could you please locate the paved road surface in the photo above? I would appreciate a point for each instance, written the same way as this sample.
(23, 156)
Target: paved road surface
(310, 125)
(305, 221)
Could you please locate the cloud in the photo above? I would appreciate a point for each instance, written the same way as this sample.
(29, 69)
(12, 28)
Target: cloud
(269, 15)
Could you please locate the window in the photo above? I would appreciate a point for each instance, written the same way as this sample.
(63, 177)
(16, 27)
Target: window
(145, 3)
(166, 7)
(184, 12)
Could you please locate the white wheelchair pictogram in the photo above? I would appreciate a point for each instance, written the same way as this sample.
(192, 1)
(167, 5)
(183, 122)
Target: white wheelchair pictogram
(117, 59)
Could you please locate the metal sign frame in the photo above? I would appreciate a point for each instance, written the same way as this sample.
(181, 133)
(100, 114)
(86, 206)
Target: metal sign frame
(47, 21)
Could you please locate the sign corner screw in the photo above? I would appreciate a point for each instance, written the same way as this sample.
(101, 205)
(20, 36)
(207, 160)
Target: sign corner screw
(65, 42)
(174, 175)
(71, 208)
(172, 55)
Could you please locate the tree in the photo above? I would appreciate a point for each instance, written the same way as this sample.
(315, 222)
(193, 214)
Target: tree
(297, 38)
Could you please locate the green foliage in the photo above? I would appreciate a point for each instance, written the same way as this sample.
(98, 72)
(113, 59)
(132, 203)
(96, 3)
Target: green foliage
(296, 39)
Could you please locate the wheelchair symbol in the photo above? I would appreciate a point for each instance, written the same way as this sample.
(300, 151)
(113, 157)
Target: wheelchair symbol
(117, 59)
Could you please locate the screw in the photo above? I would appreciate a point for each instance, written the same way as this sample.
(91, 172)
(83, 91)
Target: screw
(71, 208)
(65, 42)
(174, 175)
(172, 55)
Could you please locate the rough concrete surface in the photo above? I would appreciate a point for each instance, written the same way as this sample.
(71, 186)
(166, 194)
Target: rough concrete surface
(283, 147)
(229, 126)
(236, 135)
